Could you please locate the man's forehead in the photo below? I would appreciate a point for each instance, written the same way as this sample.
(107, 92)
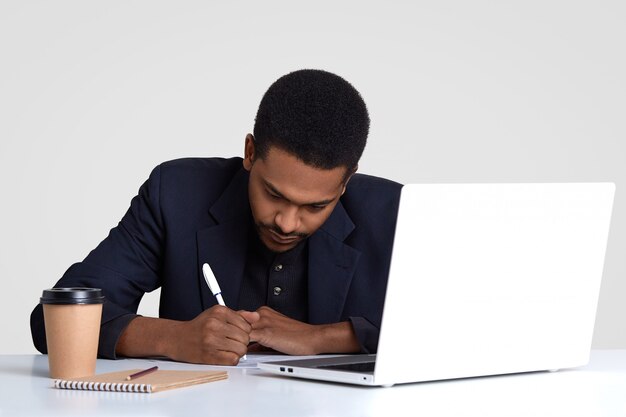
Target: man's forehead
(286, 173)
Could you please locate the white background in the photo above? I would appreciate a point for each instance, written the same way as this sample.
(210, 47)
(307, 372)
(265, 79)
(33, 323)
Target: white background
(94, 94)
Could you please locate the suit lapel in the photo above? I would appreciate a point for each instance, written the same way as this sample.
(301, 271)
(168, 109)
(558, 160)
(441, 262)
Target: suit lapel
(223, 245)
(331, 268)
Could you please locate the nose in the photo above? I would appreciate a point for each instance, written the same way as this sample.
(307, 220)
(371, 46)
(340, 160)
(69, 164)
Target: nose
(288, 220)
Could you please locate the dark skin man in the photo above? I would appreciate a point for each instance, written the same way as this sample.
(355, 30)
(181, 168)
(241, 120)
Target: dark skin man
(290, 200)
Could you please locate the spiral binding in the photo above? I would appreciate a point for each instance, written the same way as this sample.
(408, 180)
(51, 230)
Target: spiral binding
(102, 386)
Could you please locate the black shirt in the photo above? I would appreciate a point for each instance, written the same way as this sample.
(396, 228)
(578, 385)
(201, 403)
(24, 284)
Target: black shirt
(276, 280)
(280, 281)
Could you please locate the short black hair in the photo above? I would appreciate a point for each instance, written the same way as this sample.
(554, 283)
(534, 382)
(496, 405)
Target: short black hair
(316, 116)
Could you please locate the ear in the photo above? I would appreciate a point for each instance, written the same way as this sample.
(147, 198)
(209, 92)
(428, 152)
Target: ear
(248, 152)
(348, 177)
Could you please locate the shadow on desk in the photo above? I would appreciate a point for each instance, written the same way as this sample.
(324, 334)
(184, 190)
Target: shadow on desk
(39, 368)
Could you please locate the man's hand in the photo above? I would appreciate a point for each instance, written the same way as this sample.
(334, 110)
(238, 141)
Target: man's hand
(279, 332)
(217, 336)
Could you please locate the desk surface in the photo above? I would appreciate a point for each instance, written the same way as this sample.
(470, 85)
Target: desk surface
(598, 389)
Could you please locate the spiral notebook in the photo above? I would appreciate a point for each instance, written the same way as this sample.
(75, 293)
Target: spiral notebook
(157, 381)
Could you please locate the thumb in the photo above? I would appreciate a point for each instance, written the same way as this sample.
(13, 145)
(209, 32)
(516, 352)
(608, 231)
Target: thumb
(250, 316)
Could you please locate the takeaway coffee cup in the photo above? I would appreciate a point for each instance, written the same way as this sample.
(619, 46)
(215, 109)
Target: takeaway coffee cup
(72, 319)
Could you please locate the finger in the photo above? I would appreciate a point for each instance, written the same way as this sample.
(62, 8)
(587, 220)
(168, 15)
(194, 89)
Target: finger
(266, 311)
(225, 314)
(235, 333)
(250, 317)
(216, 328)
(272, 318)
(236, 319)
(266, 321)
(234, 341)
(257, 347)
(235, 347)
(224, 358)
(262, 336)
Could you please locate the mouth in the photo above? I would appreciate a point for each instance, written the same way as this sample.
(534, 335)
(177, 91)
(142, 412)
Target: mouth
(281, 239)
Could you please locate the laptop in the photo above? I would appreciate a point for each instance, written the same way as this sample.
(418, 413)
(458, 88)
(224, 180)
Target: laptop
(485, 279)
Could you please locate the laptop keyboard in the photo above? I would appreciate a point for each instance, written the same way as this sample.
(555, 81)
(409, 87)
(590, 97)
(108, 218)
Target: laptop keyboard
(352, 367)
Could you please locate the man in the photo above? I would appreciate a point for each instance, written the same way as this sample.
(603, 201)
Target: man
(298, 242)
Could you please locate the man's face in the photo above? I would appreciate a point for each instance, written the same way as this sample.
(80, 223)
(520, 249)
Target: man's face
(289, 199)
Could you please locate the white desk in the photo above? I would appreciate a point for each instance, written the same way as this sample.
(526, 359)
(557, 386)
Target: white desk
(598, 389)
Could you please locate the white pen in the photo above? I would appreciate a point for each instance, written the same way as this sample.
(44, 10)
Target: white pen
(214, 287)
(211, 281)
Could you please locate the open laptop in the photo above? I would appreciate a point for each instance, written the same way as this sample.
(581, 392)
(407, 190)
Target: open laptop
(485, 279)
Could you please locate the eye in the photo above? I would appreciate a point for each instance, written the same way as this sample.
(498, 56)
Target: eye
(316, 207)
(272, 195)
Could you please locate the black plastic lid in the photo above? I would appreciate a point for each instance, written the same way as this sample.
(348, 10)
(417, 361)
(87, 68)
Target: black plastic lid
(72, 296)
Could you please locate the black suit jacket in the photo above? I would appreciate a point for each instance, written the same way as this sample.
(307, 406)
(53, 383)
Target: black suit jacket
(196, 210)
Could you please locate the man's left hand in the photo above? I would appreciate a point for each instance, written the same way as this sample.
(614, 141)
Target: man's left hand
(281, 333)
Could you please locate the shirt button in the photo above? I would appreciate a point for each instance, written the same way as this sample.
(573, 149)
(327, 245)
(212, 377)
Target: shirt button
(277, 290)
(278, 268)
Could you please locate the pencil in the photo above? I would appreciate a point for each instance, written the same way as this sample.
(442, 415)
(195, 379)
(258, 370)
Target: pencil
(142, 373)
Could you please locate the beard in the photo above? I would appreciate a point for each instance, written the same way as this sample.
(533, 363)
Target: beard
(268, 232)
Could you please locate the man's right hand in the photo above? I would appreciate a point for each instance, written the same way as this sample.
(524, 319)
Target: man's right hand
(217, 336)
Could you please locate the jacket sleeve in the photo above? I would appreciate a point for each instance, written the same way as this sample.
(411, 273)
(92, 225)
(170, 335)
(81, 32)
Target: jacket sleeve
(366, 333)
(125, 266)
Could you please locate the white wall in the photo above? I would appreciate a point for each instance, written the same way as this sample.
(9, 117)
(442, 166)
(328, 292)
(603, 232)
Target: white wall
(94, 94)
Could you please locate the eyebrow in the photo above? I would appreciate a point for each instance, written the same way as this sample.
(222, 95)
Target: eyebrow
(281, 195)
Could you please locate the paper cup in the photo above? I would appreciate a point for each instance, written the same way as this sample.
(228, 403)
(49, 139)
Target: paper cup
(72, 319)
